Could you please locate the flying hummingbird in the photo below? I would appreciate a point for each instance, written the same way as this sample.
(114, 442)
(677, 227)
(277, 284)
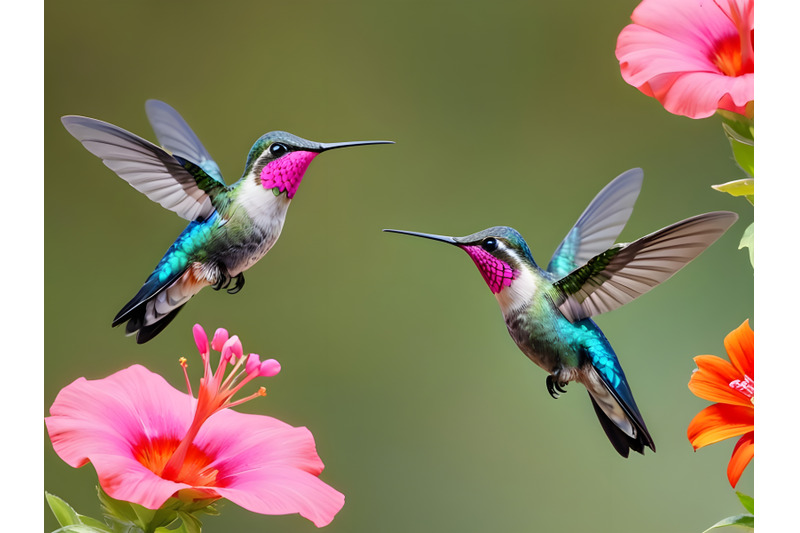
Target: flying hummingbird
(230, 227)
(547, 312)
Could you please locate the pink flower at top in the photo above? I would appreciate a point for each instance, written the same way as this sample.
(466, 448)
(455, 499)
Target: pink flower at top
(150, 442)
(693, 56)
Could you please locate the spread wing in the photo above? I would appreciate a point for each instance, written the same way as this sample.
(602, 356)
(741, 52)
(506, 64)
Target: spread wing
(599, 225)
(172, 181)
(175, 135)
(626, 271)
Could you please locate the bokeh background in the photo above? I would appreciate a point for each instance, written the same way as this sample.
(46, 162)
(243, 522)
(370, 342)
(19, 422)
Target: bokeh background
(394, 352)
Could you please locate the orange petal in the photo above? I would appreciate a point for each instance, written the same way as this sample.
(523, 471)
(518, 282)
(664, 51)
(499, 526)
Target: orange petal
(719, 422)
(739, 344)
(712, 381)
(742, 455)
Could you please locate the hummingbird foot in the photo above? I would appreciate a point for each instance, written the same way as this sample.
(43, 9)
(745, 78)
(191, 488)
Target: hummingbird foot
(555, 386)
(224, 281)
(239, 284)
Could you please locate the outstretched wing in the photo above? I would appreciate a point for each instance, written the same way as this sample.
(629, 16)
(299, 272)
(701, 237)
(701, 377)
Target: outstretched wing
(599, 225)
(175, 183)
(626, 271)
(175, 135)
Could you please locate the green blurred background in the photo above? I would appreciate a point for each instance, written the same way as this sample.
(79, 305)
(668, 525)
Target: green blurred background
(394, 352)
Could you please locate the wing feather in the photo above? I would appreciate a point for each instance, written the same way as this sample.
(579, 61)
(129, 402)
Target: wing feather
(626, 271)
(600, 223)
(175, 135)
(146, 167)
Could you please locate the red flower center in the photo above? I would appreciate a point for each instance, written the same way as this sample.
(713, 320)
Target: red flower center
(155, 453)
(728, 58)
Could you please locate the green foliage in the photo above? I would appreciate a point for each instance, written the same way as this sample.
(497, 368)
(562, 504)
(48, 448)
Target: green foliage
(741, 134)
(742, 522)
(744, 187)
(70, 520)
(126, 517)
(748, 241)
(747, 502)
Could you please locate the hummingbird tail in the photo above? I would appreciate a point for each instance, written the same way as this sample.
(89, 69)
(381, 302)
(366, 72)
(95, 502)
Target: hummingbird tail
(145, 332)
(621, 441)
(617, 412)
(156, 305)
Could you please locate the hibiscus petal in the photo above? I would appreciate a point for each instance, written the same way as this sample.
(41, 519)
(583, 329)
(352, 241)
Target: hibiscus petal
(108, 416)
(670, 52)
(127, 479)
(279, 490)
(711, 381)
(240, 441)
(742, 455)
(718, 422)
(739, 344)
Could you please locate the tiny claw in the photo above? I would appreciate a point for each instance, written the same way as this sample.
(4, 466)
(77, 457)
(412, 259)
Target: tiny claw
(239, 284)
(554, 386)
(222, 282)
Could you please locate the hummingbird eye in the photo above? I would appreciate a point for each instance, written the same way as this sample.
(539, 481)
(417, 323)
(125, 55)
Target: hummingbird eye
(278, 149)
(490, 244)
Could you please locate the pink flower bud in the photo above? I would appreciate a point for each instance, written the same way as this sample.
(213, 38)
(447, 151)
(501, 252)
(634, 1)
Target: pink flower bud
(269, 368)
(232, 349)
(253, 363)
(200, 339)
(220, 338)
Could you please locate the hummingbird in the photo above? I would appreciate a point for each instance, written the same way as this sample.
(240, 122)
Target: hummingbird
(230, 227)
(548, 312)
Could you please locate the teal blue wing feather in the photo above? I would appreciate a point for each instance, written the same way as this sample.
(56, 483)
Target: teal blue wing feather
(626, 271)
(170, 181)
(175, 135)
(599, 225)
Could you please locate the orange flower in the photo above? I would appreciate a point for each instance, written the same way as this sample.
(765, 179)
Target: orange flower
(731, 385)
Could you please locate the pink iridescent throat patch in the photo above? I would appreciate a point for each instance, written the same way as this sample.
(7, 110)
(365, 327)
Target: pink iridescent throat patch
(496, 272)
(286, 173)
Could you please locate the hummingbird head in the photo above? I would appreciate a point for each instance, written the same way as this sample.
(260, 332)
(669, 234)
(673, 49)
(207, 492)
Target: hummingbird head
(500, 253)
(278, 160)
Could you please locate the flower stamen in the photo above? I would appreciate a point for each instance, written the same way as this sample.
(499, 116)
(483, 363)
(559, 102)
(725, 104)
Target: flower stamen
(746, 386)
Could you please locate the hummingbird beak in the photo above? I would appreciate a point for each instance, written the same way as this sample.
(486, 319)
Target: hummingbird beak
(440, 238)
(330, 146)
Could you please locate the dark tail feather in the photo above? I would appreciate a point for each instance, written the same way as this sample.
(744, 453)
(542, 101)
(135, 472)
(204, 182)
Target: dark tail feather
(621, 441)
(146, 332)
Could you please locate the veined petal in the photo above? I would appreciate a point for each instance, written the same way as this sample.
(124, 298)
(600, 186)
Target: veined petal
(739, 344)
(742, 455)
(694, 57)
(718, 422)
(712, 381)
(699, 94)
(283, 490)
(241, 441)
(108, 416)
(127, 479)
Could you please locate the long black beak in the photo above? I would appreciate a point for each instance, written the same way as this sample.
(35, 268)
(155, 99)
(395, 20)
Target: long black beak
(440, 238)
(331, 146)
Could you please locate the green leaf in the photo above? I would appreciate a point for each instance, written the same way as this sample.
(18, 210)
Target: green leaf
(65, 515)
(745, 187)
(747, 502)
(79, 528)
(740, 124)
(748, 241)
(745, 521)
(190, 522)
(118, 510)
(741, 134)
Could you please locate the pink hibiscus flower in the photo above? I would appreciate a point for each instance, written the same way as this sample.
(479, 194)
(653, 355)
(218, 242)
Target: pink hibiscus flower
(150, 442)
(693, 56)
